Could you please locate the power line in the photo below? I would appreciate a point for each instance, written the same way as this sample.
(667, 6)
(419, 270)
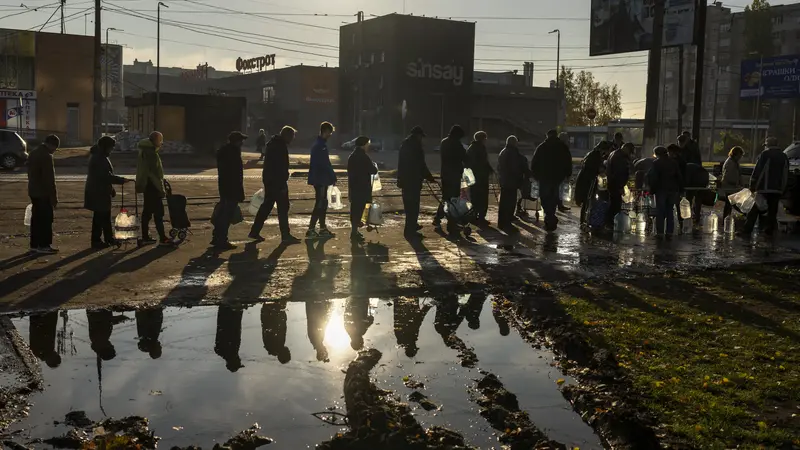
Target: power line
(265, 17)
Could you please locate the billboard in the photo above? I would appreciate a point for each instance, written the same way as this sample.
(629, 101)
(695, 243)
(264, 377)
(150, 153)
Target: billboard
(21, 119)
(777, 77)
(111, 61)
(621, 26)
(320, 85)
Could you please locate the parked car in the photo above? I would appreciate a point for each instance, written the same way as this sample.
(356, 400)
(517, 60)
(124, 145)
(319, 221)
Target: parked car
(374, 145)
(13, 150)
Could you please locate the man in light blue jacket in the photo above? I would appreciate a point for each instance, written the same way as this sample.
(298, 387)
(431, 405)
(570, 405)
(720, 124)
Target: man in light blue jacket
(320, 175)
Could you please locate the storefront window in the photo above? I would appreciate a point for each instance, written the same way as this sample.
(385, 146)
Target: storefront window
(268, 94)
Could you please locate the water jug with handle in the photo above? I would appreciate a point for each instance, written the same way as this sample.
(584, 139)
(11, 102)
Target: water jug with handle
(375, 216)
(641, 223)
(28, 215)
(686, 208)
(729, 225)
(335, 198)
(710, 223)
(622, 223)
(687, 226)
(566, 192)
(467, 178)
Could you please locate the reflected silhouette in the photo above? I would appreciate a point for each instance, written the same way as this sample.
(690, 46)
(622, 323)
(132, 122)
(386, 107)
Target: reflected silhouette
(446, 321)
(471, 311)
(101, 324)
(273, 330)
(408, 318)
(318, 311)
(42, 337)
(148, 327)
(229, 336)
(357, 320)
(502, 323)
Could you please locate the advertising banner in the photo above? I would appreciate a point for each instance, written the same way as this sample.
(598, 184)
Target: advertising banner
(320, 85)
(20, 119)
(621, 26)
(777, 77)
(111, 61)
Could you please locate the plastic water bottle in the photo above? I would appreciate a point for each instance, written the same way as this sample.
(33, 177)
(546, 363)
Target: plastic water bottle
(677, 228)
(622, 223)
(376, 183)
(730, 225)
(566, 192)
(686, 208)
(711, 223)
(687, 226)
(534, 189)
(28, 215)
(335, 197)
(641, 223)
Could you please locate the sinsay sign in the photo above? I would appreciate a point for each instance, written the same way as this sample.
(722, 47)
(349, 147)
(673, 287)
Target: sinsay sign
(427, 70)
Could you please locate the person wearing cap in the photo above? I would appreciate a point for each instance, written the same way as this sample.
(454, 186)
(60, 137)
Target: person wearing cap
(477, 159)
(230, 179)
(320, 175)
(411, 171)
(150, 182)
(275, 176)
(99, 191)
(43, 193)
(360, 169)
(453, 154)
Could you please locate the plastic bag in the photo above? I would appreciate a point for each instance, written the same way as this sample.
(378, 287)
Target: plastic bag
(743, 200)
(467, 178)
(375, 216)
(534, 189)
(126, 226)
(334, 198)
(627, 195)
(566, 192)
(28, 215)
(256, 201)
(376, 183)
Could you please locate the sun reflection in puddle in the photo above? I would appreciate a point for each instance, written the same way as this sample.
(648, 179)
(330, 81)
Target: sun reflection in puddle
(336, 337)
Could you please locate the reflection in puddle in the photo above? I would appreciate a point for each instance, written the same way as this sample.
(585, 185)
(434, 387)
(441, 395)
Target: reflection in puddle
(217, 370)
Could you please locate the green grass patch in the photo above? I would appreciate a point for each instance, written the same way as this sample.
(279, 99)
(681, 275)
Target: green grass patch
(714, 356)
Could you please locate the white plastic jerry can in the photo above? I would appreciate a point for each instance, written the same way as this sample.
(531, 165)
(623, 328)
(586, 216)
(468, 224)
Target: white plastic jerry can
(375, 216)
(686, 209)
(335, 198)
(28, 215)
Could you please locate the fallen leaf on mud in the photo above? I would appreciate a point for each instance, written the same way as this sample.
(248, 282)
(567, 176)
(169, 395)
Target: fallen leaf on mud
(560, 381)
(698, 428)
(177, 428)
(762, 425)
(156, 393)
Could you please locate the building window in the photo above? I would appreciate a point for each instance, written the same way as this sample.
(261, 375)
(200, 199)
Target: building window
(383, 56)
(777, 35)
(725, 28)
(777, 20)
(380, 83)
(268, 94)
(725, 42)
(372, 58)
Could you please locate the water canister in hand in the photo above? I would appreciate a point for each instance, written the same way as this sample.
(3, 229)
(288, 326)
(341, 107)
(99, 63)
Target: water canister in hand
(376, 183)
(686, 209)
(566, 192)
(28, 215)
(534, 189)
(256, 201)
(375, 216)
(335, 197)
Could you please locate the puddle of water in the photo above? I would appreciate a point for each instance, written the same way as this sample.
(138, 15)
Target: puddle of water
(202, 374)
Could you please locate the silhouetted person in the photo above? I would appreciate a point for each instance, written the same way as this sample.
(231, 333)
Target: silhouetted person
(666, 182)
(360, 169)
(229, 336)
(452, 153)
(617, 142)
(477, 159)
(275, 176)
(150, 183)
(43, 193)
(101, 324)
(692, 176)
(273, 330)
(731, 180)
(471, 311)
(318, 312)
(408, 317)
(502, 323)
(261, 143)
(148, 327)
(230, 179)
(99, 191)
(320, 176)
(551, 165)
(770, 178)
(618, 170)
(591, 166)
(446, 320)
(42, 336)
(512, 170)
(357, 320)
(412, 170)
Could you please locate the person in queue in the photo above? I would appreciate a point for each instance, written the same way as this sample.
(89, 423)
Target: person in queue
(618, 168)
(43, 193)
(320, 176)
(693, 179)
(99, 191)
(550, 166)
(666, 182)
(412, 170)
(230, 179)
(477, 159)
(731, 181)
(591, 166)
(150, 183)
(261, 143)
(452, 154)
(564, 137)
(618, 141)
(360, 169)
(770, 178)
(275, 177)
(512, 172)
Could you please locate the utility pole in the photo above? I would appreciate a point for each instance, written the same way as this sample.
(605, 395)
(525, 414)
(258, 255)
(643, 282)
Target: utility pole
(700, 37)
(158, 66)
(654, 76)
(680, 90)
(63, 4)
(361, 61)
(558, 58)
(106, 54)
(98, 94)
(714, 115)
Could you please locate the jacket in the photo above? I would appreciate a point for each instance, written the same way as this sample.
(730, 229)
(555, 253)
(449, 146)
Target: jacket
(359, 176)
(771, 174)
(691, 153)
(100, 179)
(618, 169)
(276, 163)
(551, 162)
(411, 166)
(42, 174)
(148, 167)
(590, 168)
(477, 159)
(665, 176)
(512, 168)
(453, 155)
(321, 173)
(230, 174)
(731, 181)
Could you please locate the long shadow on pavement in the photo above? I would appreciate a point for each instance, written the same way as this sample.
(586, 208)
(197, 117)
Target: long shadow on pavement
(28, 277)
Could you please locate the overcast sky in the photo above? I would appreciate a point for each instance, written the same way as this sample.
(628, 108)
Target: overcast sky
(501, 44)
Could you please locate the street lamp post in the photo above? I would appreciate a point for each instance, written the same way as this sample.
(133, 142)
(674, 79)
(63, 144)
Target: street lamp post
(105, 112)
(558, 58)
(158, 66)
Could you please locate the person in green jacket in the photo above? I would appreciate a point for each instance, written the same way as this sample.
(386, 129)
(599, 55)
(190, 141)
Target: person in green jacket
(150, 183)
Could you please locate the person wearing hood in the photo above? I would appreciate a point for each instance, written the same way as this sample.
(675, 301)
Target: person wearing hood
(275, 176)
(261, 143)
(452, 154)
(770, 179)
(731, 181)
(150, 183)
(230, 179)
(43, 193)
(360, 169)
(618, 168)
(550, 166)
(320, 175)
(591, 167)
(512, 170)
(411, 171)
(99, 191)
(477, 159)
